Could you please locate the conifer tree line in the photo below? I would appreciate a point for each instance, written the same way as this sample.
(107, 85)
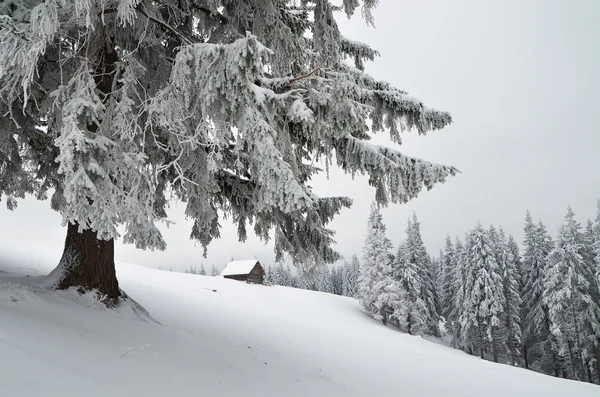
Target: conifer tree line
(536, 305)
(340, 280)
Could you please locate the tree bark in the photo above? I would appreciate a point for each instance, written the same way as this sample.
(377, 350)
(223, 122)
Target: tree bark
(494, 347)
(88, 263)
(384, 316)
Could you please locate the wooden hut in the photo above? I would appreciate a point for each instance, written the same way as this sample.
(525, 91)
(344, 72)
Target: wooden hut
(250, 271)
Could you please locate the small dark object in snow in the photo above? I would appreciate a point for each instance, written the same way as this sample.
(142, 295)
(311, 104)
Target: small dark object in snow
(12, 298)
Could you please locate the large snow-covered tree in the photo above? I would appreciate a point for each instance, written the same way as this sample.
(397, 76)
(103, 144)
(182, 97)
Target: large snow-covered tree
(448, 286)
(412, 311)
(540, 349)
(462, 280)
(484, 298)
(509, 268)
(115, 106)
(418, 311)
(378, 291)
(569, 294)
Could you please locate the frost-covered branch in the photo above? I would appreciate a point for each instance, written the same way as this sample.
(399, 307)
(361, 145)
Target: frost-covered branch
(224, 105)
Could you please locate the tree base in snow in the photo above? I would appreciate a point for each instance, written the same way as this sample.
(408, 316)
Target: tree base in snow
(88, 264)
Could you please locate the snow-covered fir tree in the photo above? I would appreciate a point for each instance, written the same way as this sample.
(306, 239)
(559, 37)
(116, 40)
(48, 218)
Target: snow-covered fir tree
(214, 271)
(501, 337)
(351, 275)
(337, 280)
(418, 311)
(412, 311)
(540, 350)
(448, 282)
(462, 280)
(323, 279)
(202, 271)
(428, 288)
(509, 268)
(280, 276)
(435, 270)
(292, 280)
(484, 302)
(515, 251)
(269, 278)
(574, 314)
(378, 291)
(117, 105)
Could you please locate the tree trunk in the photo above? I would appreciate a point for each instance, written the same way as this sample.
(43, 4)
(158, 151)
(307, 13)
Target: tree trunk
(525, 355)
(88, 263)
(571, 359)
(494, 347)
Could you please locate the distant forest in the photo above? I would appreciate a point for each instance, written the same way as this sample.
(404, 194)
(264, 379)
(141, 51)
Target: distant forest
(534, 305)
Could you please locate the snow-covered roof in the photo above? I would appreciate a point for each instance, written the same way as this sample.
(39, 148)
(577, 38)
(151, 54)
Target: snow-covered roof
(239, 267)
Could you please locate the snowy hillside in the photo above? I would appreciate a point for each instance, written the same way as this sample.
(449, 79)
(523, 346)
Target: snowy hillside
(217, 337)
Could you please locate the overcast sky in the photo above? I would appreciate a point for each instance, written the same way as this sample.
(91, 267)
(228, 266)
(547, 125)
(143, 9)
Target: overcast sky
(522, 81)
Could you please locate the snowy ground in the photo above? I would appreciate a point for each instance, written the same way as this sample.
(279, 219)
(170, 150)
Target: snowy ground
(217, 337)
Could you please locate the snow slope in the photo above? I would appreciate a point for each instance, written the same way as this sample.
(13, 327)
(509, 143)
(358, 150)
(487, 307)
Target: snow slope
(210, 336)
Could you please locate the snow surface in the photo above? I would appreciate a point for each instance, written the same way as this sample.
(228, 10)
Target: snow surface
(212, 336)
(239, 267)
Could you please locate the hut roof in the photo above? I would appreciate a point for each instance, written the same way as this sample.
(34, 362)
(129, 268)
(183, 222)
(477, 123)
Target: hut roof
(236, 268)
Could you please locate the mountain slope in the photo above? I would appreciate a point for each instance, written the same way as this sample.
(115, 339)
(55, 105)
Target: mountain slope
(216, 337)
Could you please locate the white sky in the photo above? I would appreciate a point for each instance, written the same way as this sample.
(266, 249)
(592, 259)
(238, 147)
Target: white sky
(521, 79)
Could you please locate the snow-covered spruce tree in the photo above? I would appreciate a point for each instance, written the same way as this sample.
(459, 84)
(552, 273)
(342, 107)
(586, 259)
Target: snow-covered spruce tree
(462, 281)
(574, 314)
(515, 251)
(418, 259)
(116, 105)
(324, 280)
(377, 289)
(501, 335)
(337, 280)
(411, 313)
(509, 268)
(435, 269)
(269, 279)
(202, 271)
(280, 276)
(351, 275)
(540, 350)
(292, 280)
(214, 271)
(448, 284)
(484, 302)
